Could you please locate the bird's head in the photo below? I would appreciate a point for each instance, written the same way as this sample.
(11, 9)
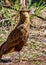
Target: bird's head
(24, 15)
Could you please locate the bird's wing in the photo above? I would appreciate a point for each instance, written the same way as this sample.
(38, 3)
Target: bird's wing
(14, 35)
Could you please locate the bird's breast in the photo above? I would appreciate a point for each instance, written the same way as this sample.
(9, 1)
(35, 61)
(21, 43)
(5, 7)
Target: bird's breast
(24, 33)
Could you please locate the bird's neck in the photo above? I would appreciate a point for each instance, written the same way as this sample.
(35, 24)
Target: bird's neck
(24, 19)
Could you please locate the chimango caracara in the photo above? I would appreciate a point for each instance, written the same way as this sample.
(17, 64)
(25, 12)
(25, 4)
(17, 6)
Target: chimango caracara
(18, 37)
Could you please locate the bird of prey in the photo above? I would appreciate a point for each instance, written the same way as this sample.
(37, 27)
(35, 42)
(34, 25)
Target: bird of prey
(18, 37)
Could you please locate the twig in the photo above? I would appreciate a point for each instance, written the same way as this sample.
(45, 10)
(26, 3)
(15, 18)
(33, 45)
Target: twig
(36, 60)
(33, 60)
(44, 19)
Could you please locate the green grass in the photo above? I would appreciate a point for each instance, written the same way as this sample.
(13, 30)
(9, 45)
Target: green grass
(2, 32)
(2, 36)
(2, 40)
(37, 62)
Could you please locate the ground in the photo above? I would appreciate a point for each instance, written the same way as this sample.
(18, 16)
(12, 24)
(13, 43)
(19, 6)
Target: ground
(34, 52)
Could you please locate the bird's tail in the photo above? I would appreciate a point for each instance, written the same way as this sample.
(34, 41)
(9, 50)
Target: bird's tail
(7, 49)
(0, 47)
(3, 44)
(1, 51)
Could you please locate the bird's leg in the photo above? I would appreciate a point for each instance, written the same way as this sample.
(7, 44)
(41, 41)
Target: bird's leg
(19, 56)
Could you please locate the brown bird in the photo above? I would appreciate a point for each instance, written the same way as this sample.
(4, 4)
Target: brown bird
(18, 37)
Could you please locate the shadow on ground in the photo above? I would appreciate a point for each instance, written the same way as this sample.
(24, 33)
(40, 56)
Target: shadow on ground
(5, 60)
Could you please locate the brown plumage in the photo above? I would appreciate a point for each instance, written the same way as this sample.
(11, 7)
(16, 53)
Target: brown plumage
(18, 37)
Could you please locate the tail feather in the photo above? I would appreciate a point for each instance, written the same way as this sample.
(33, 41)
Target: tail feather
(1, 52)
(0, 47)
(3, 44)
